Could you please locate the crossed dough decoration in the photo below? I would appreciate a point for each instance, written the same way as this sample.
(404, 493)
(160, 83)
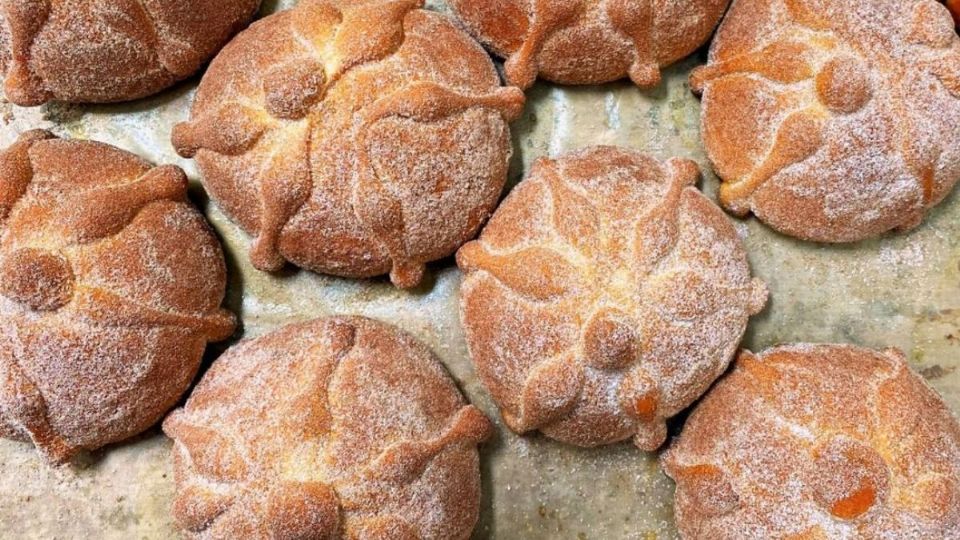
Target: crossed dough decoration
(52, 224)
(631, 18)
(819, 441)
(130, 48)
(604, 296)
(815, 80)
(589, 41)
(352, 430)
(331, 45)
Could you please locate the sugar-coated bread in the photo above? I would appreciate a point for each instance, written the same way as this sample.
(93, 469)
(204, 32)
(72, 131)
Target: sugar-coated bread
(818, 442)
(110, 287)
(337, 428)
(605, 295)
(353, 138)
(98, 51)
(833, 120)
(589, 42)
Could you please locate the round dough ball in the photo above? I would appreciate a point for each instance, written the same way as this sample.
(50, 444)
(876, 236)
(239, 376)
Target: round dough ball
(818, 441)
(98, 51)
(110, 287)
(605, 295)
(832, 120)
(353, 138)
(337, 428)
(589, 42)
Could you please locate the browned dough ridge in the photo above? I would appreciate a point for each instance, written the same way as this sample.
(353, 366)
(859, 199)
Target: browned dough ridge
(353, 138)
(110, 287)
(818, 442)
(337, 428)
(589, 41)
(832, 120)
(605, 295)
(99, 51)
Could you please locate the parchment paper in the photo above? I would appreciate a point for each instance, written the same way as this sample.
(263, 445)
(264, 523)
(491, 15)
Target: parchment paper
(901, 290)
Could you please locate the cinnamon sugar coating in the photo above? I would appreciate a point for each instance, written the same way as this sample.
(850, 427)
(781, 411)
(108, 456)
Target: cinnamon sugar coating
(353, 138)
(605, 295)
(110, 287)
(832, 120)
(589, 41)
(96, 51)
(337, 428)
(818, 441)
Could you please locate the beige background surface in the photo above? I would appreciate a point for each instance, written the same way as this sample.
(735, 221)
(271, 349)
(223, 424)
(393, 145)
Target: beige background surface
(901, 290)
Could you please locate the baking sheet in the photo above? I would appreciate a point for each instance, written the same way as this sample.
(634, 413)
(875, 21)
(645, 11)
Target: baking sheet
(900, 290)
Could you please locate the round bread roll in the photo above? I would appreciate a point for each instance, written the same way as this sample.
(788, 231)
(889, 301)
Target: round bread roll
(605, 295)
(337, 428)
(110, 287)
(833, 120)
(587, 41)
(353, 138)
(818, 442)
(96, 51)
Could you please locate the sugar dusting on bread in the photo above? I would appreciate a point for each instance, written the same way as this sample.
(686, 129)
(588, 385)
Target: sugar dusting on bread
(818, 441)
(340, 427)
(589, 42)
(89, 51)
(605, 295)
(110, 287)
(831, 120)
(353, 138)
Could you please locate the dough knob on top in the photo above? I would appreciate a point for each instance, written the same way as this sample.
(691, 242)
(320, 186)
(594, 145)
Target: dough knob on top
(820, 441)
(604, 296)
(341, 137)
(110, 289)
(354, 430)
(831, 120)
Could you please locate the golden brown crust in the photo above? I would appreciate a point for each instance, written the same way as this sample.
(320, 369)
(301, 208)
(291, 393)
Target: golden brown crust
(353, 137)
(110, 286)
(93, 51)
(589, 41)
(336, 428)
(818, 441)
(604, 296)
(832, 120)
